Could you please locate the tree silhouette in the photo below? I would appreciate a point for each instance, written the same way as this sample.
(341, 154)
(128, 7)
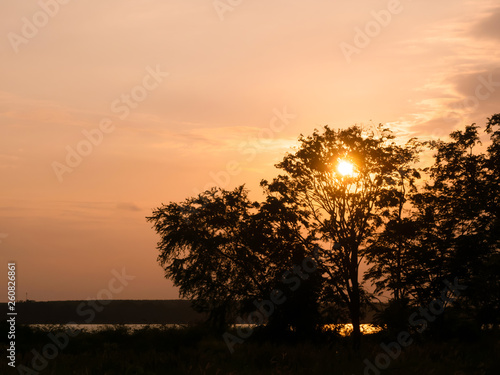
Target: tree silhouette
(343, 211)
(202, 251)
(450, 230)
(458, 222)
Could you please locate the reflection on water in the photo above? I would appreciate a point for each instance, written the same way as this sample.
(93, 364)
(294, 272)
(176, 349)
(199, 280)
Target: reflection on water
(101, 327)
(342, 329)
(346, 329)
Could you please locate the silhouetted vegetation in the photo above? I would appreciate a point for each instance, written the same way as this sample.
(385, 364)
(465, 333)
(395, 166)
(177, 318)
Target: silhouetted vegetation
(200, 351)
(429, 235)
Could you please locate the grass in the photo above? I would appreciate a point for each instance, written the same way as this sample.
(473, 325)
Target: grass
(196, 350)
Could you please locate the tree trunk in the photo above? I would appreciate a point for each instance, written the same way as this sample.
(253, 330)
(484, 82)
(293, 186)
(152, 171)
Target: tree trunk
(355, 315)
(355, 300)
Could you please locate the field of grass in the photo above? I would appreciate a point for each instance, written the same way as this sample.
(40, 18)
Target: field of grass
(196, 350)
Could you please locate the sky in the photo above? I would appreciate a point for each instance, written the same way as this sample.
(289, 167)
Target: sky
(110, 108)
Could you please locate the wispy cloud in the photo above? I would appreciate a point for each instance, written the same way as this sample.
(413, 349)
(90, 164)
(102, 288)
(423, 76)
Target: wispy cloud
(463, 85)
(127, 206)
(487, 27)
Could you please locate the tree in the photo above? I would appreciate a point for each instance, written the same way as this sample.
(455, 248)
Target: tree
(449, 207)
(452, 229)
(202, 250)
(388, 253)
(468, 186)
(489, 311)
(344, 210)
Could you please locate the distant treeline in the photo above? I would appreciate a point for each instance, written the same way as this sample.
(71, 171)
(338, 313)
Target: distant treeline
(116, 312)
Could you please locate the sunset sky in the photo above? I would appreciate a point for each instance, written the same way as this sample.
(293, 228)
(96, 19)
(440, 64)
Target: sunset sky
(179, 95)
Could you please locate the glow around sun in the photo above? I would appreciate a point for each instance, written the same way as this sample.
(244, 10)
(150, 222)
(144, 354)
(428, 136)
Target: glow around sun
(345, 168)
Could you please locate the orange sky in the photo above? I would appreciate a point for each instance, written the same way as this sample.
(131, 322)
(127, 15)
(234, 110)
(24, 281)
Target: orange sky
(177, 95)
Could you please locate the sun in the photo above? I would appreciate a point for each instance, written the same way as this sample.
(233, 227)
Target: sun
(345, 168)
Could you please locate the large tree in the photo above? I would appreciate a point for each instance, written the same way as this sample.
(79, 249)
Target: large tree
(345, 208)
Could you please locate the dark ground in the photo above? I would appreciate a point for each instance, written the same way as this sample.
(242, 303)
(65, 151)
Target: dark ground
(196, 350)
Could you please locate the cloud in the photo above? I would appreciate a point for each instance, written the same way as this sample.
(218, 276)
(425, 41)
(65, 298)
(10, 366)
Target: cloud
(488, 27)
(462, 85)
(467, 83)
(29, 112)
(127, 206)
(477, 95)
(436, 128)
(211, 138)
